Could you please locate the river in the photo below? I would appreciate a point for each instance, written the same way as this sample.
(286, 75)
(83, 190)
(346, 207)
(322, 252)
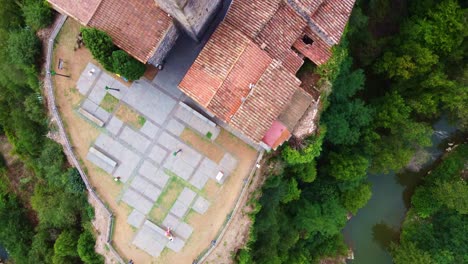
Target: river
(373, 228)
(3, 253)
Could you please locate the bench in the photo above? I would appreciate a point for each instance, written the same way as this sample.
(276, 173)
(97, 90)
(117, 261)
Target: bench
(91, 117)
(60, 64)
(101, 160)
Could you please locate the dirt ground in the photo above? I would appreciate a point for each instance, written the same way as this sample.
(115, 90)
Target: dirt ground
(82, 134)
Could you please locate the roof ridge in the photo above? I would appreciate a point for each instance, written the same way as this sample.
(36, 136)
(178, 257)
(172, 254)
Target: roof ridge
(313, 26)
(94, 12)
(233, 64)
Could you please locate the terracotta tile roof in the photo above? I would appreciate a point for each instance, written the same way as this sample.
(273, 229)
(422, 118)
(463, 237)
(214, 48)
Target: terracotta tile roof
(136, 26)
(276, 135)
(268, 99)
(310, 6)
(280, 33)
(300, 101)
(250, 16)
(244, 74)
(332, 16)
(319, 52)
(81, 10)
(214, 63)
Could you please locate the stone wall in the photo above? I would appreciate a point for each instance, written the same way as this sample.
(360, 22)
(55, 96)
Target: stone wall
(191, 15)
(164, 46)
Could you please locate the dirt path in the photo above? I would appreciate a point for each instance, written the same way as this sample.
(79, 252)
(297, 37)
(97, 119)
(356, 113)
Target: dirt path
(237, 232)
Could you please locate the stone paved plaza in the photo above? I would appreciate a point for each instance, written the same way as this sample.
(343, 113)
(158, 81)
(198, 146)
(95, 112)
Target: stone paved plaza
(147, 159)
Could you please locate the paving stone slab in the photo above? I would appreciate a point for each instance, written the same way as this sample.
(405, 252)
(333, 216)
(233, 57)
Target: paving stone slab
(86, 80)
(102, 114)
(149, 101)
(179, 167)
(134, 139)
(89, 106)
(179, 209)
(148, 170)
(183, 231)
(126, 158)
(149, 129)
(199, 179)
(176, 245)
(160, 178)
(151, 191)
(157, 154)
(171, 221)
(137, 201)
(98, 161)
(187, 196)
(228, 163)
(123, 89)
(150, 239)
(183, 114)
(139, 183)
(201, 205)
(175, 127)
(209, 168)
(136, 218)
(114, 125)
(170, 142)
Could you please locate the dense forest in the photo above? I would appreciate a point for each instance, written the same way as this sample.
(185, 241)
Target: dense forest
(399, 66)
(44, 213)
(436, 226)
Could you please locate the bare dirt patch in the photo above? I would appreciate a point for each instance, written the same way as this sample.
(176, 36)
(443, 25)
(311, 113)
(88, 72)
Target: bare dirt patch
(203, 145)
(130, 116)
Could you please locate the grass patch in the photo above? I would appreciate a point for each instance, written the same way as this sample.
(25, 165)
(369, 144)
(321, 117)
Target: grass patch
(165, 201)
(203, 145)
(141, 120)
(130, 116)
(109, 103)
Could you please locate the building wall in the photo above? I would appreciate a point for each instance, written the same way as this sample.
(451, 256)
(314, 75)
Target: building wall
(164, 46)
(191, 15)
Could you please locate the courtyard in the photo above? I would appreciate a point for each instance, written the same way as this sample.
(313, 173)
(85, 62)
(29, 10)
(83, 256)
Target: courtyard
(154, 160)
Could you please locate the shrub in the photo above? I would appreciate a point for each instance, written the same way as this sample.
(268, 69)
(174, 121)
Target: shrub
(86, 249)
(65, 245)
(37, 14)
(23, 47)
(100, 44)
(127, 66)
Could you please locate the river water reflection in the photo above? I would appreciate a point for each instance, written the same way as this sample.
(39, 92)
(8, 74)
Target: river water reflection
(373, 228)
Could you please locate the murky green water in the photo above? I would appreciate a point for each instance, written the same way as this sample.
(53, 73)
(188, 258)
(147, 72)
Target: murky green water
(373, 228)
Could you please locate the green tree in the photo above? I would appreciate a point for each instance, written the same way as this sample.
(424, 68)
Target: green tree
(348, 167)
(37, 13)
(65, 245)
(24, 47)
(127, 66)
(454, 195)
(306, 172)
(409, 253)
(356, 198)
(307, 154)
(290, 191)
(424, 203)
(101, 46)
(86, 251)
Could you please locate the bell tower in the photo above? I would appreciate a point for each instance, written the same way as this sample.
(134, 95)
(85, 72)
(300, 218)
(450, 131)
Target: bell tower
(191, 15)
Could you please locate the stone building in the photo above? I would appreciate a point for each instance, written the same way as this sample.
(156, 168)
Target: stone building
(245, 76)
(145, 29)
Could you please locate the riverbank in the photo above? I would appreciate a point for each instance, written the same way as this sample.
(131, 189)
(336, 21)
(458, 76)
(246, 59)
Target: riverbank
(371, 230)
